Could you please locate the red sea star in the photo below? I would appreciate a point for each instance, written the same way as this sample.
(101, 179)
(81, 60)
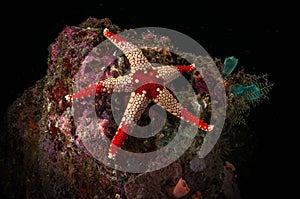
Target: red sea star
(149, 82)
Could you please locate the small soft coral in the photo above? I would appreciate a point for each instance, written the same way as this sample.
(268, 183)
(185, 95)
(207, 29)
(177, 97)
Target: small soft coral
(181, 189)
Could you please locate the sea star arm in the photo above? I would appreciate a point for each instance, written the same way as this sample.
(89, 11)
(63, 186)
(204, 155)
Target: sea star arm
(170, 73)
(166, 100)
(135, 56)
(88, 91)
(119, 84)
(135, 107)
(185, 69)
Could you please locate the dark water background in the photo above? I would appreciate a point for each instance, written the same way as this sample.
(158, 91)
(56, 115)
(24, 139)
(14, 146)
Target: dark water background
(256, 34)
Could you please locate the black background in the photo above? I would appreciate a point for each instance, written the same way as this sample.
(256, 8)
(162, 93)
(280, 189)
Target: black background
(257, 34)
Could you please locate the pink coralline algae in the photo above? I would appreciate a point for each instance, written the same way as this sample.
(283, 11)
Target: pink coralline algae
(72, 35)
